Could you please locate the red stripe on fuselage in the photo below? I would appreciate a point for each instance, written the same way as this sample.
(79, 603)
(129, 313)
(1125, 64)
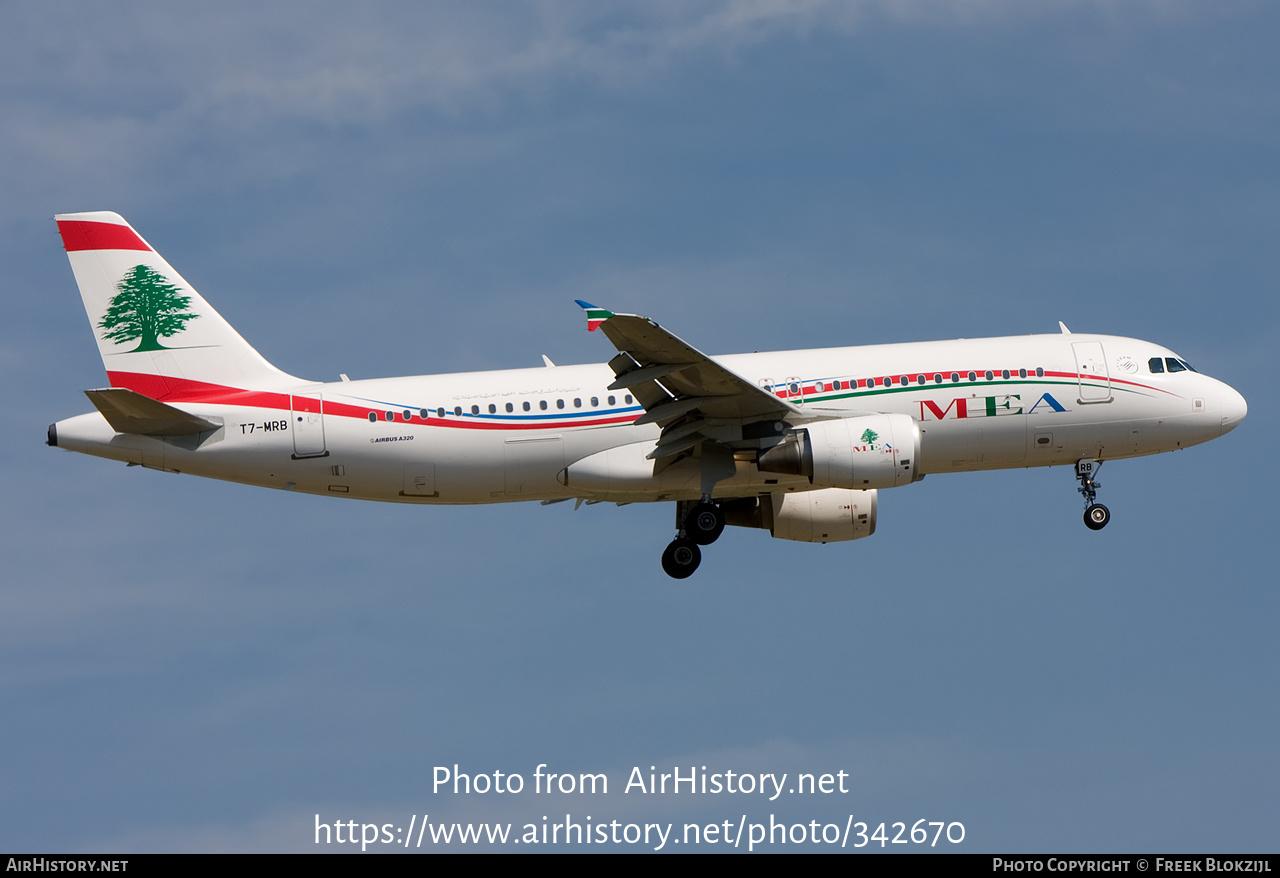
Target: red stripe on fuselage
(82, 235)
(177, 390)
(170, 389)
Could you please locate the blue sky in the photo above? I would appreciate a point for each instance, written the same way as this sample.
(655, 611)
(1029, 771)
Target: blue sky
(388, 189)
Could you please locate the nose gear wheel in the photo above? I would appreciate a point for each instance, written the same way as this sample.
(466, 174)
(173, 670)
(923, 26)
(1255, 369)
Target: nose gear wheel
(1096, 515)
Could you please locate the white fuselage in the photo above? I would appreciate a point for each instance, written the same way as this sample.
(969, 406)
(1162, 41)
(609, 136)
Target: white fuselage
(486, 437)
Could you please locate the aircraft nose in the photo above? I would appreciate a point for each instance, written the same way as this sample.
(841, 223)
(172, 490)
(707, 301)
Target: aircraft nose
(1234, 408)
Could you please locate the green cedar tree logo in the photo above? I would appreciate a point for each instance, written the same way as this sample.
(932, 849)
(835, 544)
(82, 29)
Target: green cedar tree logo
(146, 307)
(870, 436)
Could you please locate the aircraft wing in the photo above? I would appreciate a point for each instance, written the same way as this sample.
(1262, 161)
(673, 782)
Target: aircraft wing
(685, 392)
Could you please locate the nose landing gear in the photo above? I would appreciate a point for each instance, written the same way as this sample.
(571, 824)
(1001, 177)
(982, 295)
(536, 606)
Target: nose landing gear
(1096, 515)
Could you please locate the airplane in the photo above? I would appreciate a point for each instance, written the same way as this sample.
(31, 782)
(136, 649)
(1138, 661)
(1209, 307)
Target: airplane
(794, 442)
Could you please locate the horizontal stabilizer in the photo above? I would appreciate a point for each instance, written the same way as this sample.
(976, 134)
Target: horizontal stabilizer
(130, 412)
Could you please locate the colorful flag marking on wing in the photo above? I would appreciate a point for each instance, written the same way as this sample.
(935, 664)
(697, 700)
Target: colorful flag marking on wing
(595, 316)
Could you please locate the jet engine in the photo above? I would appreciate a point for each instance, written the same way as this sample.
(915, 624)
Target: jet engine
(868, 451)
(827, 515)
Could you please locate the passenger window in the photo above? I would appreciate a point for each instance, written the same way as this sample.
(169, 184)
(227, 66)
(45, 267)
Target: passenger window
(510, 407)
(542, 404)
(1156, 365)
(423, 413)
(373, 417)
(526, 406)
(439, 413)
(1005, 373)
(1039, 372)
(457, 410)
(577, 403)
(612, 400)
(595, 401)
(990, 375)
(559, 403)
(1022, 373)
(408, 415)
(920, 379)
(390, 416)
(973, 376)
(955, 377)
(628, 399)
(475, 410)
(493, 409)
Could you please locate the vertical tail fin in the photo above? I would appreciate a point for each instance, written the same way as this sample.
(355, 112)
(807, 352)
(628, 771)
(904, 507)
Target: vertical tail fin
(156, 334)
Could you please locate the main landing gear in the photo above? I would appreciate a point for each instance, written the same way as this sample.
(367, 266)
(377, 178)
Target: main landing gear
(681, 557)
(704, 523)
(1096, 515)
(698, 524)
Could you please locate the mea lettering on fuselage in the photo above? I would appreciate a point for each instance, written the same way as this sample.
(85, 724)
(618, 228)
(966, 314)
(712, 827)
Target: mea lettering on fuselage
(984, 407)
(797, 443)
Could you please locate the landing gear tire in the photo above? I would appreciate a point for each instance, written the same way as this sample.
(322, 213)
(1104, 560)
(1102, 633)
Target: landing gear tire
(1097, 516)
(681, 557)
(704, 523)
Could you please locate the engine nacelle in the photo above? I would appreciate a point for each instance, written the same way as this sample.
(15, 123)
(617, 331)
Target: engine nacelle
(827, 515)
(869, 451)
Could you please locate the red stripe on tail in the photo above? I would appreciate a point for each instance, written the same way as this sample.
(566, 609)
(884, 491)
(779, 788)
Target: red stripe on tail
(81, 235)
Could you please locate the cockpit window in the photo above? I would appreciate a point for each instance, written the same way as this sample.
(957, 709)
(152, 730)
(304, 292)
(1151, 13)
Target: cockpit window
(1156, 365)
(1174, 365)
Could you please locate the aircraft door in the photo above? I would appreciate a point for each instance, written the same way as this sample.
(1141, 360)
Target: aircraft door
(307, 424)
(1091, 364)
